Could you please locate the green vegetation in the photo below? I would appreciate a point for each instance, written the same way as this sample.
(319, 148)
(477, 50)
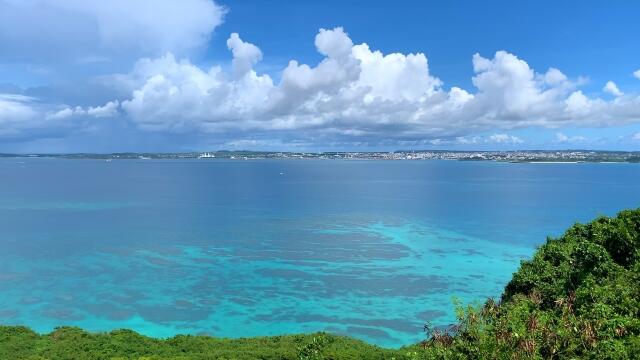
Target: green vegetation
(579, 297)
(74, 343)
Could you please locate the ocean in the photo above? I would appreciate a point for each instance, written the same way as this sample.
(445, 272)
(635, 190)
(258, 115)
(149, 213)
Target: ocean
(233, 248)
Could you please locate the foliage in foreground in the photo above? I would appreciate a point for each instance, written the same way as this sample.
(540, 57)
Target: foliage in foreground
(579, 297)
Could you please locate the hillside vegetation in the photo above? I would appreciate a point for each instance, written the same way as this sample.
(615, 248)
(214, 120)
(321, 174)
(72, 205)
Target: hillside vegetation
(578, 297)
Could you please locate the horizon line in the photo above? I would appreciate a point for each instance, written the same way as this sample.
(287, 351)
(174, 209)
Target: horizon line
(8, 154)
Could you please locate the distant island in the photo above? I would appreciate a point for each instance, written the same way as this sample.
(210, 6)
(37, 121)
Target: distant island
(516, 156)
(577, 298)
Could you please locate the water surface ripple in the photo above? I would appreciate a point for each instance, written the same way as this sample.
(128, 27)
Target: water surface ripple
(372, 249)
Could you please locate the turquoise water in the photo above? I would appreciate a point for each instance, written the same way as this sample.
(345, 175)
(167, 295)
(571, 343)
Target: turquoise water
(373, 249)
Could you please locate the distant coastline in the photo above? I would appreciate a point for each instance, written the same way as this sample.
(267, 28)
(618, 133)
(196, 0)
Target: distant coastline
(516, 156)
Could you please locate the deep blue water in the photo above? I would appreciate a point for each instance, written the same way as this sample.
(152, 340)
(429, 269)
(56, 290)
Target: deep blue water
(373, 249)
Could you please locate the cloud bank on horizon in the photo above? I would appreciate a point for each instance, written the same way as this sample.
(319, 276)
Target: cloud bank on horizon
(354, 95)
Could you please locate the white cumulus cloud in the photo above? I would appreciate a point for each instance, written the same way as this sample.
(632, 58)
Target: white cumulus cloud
(245, 55)
(65, 113)
(505, 139)
(96, 30)
(562, 138)
(22, 116)
(493, 139)
(355, 91)
(352, 90)
(612, 89)
(355, 94)
(15, 112)
(109, 109)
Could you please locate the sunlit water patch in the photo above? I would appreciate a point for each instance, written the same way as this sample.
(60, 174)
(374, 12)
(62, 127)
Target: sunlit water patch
(374, 279)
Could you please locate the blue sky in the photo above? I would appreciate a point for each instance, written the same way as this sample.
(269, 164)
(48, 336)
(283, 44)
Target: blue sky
(582, 38)
(170, 76)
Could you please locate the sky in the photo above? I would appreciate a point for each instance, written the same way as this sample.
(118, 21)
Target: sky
(199, 75)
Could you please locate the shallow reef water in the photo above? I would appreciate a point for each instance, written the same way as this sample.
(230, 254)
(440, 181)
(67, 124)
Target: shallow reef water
(234, 249)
